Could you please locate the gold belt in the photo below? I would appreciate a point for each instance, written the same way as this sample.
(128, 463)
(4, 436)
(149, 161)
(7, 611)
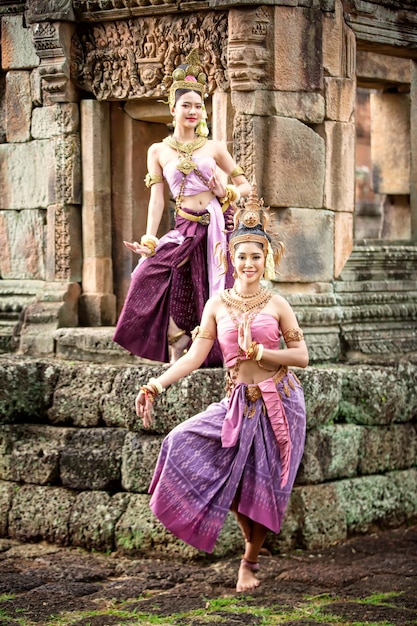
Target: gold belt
(203, 218)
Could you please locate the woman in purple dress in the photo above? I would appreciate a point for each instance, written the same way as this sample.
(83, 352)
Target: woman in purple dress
(240, 454)
(179, 272)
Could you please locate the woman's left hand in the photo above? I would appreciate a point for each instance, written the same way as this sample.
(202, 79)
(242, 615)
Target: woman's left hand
(143, 405)
(244, 336)
(216, 185)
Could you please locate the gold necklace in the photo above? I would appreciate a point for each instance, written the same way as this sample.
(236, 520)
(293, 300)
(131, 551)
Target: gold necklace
(244, 296)
(257, 301)
(185, 151)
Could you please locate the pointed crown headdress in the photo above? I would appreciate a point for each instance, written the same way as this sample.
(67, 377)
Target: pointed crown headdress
(251, 223)
(188, 76)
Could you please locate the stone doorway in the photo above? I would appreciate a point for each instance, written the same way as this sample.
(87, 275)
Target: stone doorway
(132, 130)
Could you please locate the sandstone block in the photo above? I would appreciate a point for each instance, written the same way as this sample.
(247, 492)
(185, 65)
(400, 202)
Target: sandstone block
(322, 519)
(97, 309)
(371, 502)
(340, 94)
(322, 392)
(306, 107)
(181, 401)
(385, 69)
(97, 274)
(298, 49)
(139, 456)
(343, 240)
(78, 394)
(290, 162)
(333, 41)
(21, 244)
(92, 459)
(386, 449)
(2, 107)
(339, 188)
(378, 395)
(18, 106)
(31, 453)
(36, 87)
(330, 452)
(34, 163)
(17, 49)
(7, 491)
(300, 230)
(57, 119)
(41, 513)
(27, 388)
(93, 519)
(138, 532)
(390, 142)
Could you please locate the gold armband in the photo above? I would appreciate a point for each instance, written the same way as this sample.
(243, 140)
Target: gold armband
(202, 333)
(293, 334)
(152, 179)
(238, 171)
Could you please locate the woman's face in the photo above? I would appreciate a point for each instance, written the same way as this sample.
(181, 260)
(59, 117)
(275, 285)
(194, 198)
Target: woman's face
(249, 261)
(188, 109)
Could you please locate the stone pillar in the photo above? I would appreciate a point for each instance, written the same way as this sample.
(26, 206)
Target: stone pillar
(97, 303)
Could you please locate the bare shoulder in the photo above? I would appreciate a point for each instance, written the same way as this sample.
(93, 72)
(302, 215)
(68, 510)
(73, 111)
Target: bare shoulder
(155, 148)
(280, 301)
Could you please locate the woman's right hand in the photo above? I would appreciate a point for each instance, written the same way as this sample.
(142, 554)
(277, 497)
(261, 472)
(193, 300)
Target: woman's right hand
(137, 248)
(143, 405)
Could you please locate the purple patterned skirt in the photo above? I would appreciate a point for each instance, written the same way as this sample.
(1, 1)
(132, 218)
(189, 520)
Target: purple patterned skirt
(196, 477)
(160, 288)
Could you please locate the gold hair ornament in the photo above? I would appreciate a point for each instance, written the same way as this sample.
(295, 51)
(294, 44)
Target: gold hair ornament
(253, 215)
(191, 77)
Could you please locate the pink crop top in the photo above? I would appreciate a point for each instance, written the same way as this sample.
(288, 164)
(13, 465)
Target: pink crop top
(193, 183)
(265, 330)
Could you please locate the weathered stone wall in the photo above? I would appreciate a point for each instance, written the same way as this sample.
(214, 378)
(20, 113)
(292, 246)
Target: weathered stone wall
(76, 464)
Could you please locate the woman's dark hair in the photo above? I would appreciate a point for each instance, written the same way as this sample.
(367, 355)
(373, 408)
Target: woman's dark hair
(243, 230)
(181, 92)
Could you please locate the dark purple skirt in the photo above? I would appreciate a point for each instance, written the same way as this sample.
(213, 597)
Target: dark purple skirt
(196, 478)
(160, 289)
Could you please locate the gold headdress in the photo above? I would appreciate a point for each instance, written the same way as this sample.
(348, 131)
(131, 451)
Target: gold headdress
(250, 223)
(189, 76)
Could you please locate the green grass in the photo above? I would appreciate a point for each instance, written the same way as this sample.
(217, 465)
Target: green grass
(310, 609)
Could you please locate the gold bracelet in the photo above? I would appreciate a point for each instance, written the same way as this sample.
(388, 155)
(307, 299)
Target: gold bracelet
(150, 242)
(156, 384)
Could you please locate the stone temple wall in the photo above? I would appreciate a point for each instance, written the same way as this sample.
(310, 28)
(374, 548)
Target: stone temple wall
(75, 463)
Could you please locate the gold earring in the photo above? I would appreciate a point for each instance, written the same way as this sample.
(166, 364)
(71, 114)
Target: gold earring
(234, 274)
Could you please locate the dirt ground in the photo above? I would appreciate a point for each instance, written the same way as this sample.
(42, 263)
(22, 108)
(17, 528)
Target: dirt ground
(369, 580)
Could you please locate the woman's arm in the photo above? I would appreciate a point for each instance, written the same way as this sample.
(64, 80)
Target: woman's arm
(296, 353)
(226, 162)
(157, 198)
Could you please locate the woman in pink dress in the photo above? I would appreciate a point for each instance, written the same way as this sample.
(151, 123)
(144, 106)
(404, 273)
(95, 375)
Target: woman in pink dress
(240, 454)
(179, 272)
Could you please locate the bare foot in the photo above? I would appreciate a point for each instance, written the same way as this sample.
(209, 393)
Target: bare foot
(246, 578)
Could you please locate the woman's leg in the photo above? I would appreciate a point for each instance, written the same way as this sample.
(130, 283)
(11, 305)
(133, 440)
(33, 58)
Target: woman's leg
(254, 535)
(178, 341)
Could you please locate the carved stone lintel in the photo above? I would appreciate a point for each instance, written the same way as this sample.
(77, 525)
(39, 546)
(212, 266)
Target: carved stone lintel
(53, 46)
(130, 58)
(49, 10)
